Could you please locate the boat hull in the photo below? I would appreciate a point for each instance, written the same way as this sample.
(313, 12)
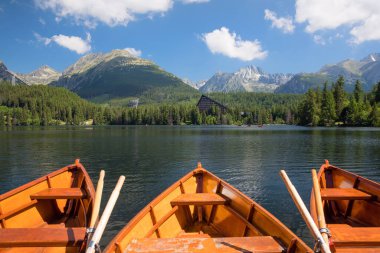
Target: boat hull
(49, 214)
(351, 208)
(200, 211)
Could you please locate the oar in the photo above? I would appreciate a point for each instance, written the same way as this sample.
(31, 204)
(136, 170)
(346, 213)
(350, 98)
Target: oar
(105, 216)
(98, 199)
(304, 212)
(319, 205)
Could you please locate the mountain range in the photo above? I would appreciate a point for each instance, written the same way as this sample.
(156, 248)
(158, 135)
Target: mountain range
(43, 75)
(104, 76)
(251, 79)
(119, 74)
(366, 70)
(254, 79)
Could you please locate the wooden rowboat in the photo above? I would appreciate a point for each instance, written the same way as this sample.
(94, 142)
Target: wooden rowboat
(202, 213)
(351, 209)
(49, 214)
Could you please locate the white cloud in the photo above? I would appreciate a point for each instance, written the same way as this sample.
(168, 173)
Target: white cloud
(194, 1)
(133, 51)
(361, 17)
(221, 41)
(73, 43)
(109, 12)
(284, 24)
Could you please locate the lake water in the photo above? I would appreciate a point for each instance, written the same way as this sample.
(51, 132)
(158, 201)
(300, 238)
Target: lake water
(153, 157)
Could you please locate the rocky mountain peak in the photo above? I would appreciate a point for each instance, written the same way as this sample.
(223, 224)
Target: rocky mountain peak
(43, 75)
(2, 66)
(45, 70)
(196, 85)
(371, 58)
(91, 60)
(121, 52)
(250, 72)
(8, 75)
(250, 78)
(84, 63)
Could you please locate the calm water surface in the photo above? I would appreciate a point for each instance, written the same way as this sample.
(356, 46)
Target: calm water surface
(153, 157)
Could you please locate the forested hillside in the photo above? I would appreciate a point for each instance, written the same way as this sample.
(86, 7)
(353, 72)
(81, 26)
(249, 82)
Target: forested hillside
(43, 105)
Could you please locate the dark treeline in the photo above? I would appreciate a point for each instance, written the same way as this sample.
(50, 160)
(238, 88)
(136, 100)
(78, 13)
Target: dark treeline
(44, 105)
(334, 106)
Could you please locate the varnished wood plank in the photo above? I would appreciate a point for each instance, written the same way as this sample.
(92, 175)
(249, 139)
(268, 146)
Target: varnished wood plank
(345, 235)
(154, 221)
(246, 222)
(351, 202)
(249, 217)
(343, 194)
(201, 244)
(213, 208)
(59, 193)
(161, 221)
(18, 209)
(41, 237)
(199, 199)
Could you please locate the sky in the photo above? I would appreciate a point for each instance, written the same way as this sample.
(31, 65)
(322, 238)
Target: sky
(192, 39)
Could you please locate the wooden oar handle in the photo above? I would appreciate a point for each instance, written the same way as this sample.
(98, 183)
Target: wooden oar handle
(304, 212)
(105, 216)
(319, 205)
(98, 200)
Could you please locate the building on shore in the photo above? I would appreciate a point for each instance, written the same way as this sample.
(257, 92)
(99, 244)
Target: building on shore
(205, 104)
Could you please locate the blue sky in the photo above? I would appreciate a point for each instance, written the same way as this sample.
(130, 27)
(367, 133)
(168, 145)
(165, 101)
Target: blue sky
(190, 38)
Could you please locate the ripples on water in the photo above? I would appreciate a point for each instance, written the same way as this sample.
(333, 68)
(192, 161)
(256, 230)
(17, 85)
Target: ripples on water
(153, 157)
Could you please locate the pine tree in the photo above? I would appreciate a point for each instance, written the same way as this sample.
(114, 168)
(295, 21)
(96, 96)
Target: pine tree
(375, 115)
(352, 111)
(2, 122)
(339, 96)
(309, 109)
(358, 92)
(377, 92)
(328, 112)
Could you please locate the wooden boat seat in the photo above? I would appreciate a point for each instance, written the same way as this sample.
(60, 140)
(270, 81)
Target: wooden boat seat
(59, 193)
(41, 237)
(345, 235)
(226, 245)
(343, 194)
(198, 199)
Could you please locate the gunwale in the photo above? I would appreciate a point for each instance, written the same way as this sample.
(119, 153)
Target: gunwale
(30, 184)
(114, 245)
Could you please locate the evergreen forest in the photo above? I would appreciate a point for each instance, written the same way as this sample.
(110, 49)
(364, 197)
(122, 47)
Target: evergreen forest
(332, 106)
